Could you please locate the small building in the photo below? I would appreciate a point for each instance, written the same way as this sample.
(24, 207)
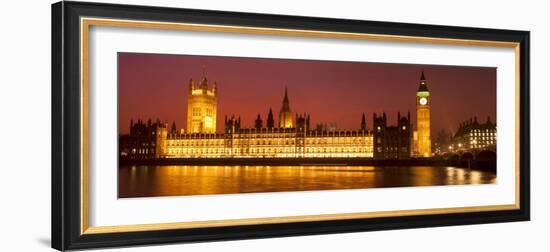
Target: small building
(141, 142)
(392, 142)
(472, 136)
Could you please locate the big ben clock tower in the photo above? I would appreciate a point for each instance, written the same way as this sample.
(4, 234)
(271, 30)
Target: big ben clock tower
(423, 103)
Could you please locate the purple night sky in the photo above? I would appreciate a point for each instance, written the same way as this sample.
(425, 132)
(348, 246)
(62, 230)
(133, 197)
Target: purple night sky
(155, 86)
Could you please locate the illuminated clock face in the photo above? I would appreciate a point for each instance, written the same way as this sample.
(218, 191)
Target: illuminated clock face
(423, 101)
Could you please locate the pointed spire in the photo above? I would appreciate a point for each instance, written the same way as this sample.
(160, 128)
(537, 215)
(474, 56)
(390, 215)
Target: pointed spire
(363, 122)
(286, 105)
(258, 123)
(191, 85)
(423, 87)
(215, 88)
(204, 81)
(285, 115)
(270, 123)
(173, 128)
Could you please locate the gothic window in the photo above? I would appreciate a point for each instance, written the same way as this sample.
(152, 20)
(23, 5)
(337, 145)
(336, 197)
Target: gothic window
(196, 111)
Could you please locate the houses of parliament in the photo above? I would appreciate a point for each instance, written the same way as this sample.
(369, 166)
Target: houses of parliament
(291, 136)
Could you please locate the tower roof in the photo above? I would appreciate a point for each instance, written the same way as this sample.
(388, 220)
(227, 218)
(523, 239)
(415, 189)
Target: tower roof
(423, 87)
(286, 103)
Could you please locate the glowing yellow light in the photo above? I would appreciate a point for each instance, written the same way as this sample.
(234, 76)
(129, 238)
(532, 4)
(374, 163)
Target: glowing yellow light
(208, 122)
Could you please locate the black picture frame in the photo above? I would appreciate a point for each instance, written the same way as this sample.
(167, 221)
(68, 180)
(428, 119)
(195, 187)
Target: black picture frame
(66, 141)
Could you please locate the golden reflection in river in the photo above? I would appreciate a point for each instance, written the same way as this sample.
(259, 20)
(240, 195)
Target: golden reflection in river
(147, 181)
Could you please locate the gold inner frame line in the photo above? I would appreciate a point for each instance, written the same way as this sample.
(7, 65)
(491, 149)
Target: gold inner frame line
(87, 22)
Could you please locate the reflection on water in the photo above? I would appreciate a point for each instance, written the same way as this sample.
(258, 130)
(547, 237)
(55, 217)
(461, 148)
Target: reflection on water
(146, 181)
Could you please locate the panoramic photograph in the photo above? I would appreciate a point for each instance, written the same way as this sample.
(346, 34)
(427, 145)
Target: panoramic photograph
(203, 125)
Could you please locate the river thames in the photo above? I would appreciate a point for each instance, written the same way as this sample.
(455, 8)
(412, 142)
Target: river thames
(179, 180)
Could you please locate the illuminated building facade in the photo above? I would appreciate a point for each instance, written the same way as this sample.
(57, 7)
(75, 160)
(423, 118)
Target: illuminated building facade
(202, 104)
(300, 141)
(291, 137)
(423, 103)
(287, 140)
(472, 135)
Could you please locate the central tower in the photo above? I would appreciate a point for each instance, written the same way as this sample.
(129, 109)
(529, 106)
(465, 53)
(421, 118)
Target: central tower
(202, 104)
(423, 104)
(285, 116)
